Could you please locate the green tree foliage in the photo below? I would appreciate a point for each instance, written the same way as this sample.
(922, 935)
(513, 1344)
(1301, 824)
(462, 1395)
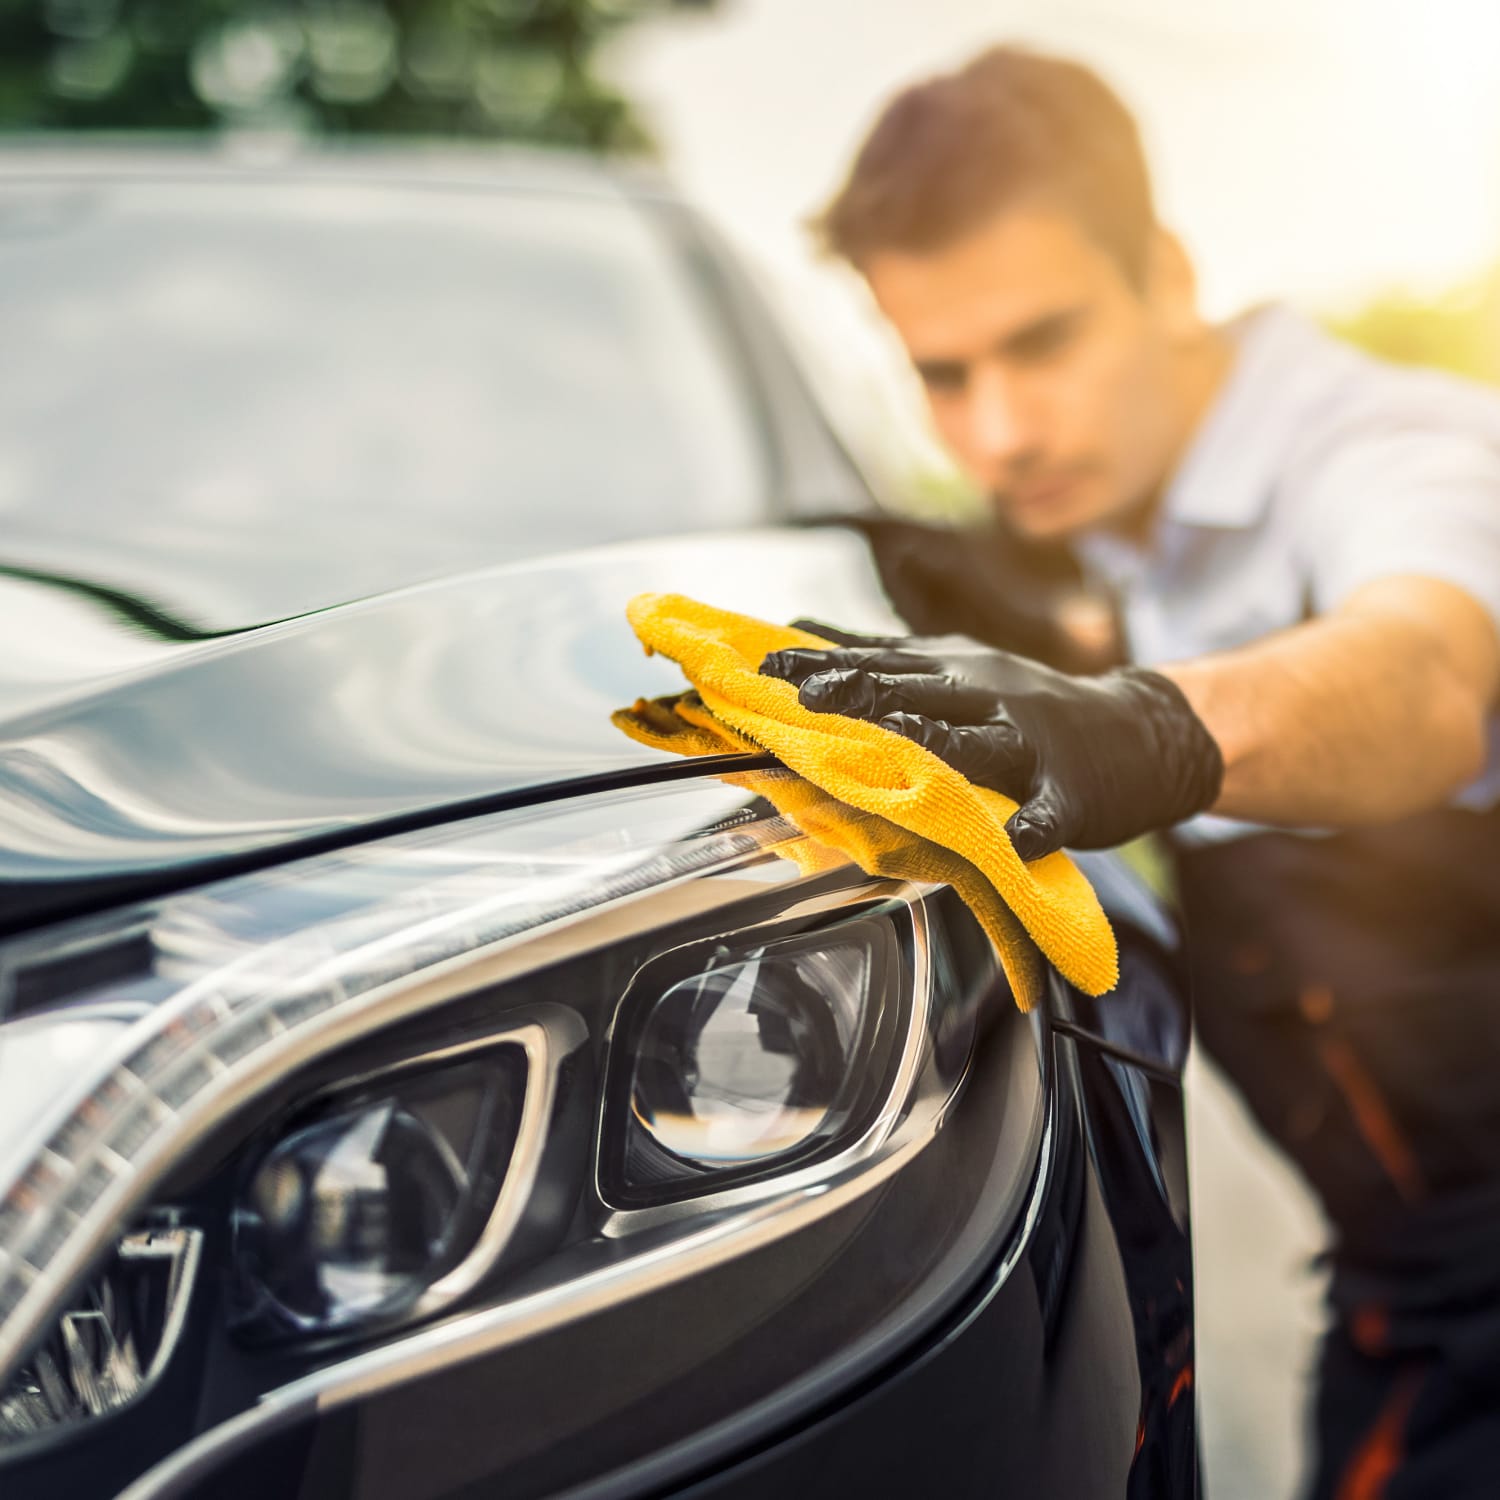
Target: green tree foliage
(518, 69)
(1459, 332)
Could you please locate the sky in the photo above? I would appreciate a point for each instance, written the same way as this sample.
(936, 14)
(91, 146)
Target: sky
(1316, 151)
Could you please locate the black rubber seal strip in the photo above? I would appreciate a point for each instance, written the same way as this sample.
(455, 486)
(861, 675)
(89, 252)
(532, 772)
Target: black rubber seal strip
(1142, 1060)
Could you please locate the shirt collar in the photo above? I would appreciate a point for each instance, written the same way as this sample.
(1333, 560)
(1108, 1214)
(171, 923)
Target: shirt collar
(1226, 477)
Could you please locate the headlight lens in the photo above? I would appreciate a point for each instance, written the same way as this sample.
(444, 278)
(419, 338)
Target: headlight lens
(358, 1208)
(343, 1217)
(749, 1053)
(742, 1064)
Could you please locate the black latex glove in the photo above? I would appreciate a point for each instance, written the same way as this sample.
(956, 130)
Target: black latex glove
(979, 581)
(1093, 761)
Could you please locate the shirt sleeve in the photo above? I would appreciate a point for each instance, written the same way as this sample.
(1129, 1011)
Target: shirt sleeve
(1413, 501)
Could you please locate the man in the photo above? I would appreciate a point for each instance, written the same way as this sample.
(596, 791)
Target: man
(1303, 546)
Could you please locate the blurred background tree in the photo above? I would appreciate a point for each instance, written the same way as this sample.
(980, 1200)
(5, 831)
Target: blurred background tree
(513, 69)
(1459, 331)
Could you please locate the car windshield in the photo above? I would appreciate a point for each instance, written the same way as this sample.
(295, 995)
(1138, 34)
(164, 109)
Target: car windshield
(369, 381)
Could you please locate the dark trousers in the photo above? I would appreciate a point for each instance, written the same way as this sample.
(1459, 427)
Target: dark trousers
(1402, 1426)
(1350, 989)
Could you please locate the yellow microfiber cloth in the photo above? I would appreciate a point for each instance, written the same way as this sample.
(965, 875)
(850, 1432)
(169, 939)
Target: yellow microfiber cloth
(836, 834)
(873, 771)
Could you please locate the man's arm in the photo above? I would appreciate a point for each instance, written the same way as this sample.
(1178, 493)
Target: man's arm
(1370, 712)
(1366, 714)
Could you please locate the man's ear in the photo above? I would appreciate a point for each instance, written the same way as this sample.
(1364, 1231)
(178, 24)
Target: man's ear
(1172, 285)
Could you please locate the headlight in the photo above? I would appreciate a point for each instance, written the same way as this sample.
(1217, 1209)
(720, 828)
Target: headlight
(358, 1209)
(738, 1058)
(105, 1351)
(520, 1065)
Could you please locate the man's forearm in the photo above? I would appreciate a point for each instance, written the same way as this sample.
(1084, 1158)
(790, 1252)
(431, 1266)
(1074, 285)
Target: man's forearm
(1366, 715)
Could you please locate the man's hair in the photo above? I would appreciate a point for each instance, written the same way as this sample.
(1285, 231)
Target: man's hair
(951, 151)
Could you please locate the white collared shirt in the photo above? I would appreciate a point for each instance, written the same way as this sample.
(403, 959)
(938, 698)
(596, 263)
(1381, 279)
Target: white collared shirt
(1318, 469)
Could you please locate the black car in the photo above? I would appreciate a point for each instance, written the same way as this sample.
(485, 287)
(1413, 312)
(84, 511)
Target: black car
(409, 1086)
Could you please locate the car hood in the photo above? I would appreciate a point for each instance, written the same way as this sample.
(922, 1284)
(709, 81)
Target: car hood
(132, 757)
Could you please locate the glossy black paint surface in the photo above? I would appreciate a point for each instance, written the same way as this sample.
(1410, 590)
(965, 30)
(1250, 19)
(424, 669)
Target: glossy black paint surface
(1072, 1376)
(501, 682)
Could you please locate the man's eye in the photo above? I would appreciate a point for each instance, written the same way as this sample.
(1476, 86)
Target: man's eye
(942, 378)
(1045, 341)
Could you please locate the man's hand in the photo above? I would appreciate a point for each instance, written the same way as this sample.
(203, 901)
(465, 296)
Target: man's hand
(1093, 761)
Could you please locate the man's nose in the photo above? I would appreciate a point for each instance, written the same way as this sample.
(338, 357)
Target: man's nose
(1002, 424)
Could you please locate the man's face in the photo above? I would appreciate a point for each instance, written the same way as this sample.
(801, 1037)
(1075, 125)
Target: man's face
(1050, 376)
